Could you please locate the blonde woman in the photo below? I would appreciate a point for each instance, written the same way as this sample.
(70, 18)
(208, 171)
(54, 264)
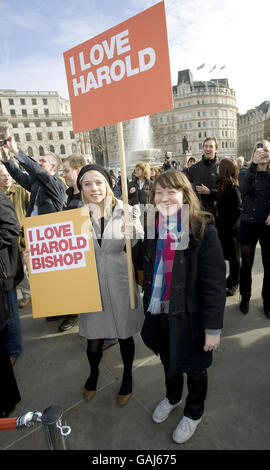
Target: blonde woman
(184, 297)
(116, 320)
(255, 224)
(139, 190)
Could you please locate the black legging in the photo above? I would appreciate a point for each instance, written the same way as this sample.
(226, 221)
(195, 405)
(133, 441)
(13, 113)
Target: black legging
(95, 353)
(250, 234)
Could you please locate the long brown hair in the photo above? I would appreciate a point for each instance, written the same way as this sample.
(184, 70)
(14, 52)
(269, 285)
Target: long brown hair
(177, 180)
(228, 172)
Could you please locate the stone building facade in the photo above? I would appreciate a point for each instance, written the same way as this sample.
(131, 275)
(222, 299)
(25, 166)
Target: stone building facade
(254, 125)
(201, 109)
(41, 121)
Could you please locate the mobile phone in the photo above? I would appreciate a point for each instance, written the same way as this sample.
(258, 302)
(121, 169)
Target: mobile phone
(259, 146)
(3, 142)
(198, 184)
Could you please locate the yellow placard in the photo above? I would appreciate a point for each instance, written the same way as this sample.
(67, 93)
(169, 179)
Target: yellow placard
(62, 266)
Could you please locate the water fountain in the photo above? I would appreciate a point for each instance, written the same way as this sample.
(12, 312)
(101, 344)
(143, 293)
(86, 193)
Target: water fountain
(140, 143)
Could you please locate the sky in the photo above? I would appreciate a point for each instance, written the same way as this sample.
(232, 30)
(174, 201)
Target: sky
(230, 33)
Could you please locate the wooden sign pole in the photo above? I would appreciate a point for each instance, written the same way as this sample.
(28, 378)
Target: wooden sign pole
(126, 213)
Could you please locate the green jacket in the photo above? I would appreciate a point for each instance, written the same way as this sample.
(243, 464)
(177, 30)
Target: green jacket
(20, 199)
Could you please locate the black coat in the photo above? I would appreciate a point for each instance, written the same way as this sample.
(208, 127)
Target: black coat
(256, 195)
(198, 295)
(205, 172)
(229, 209)
(11, 271)
(49, 190)
(142, 196)
(74, 201)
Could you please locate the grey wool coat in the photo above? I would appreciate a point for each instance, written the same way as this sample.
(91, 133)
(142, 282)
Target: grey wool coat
(116, 320)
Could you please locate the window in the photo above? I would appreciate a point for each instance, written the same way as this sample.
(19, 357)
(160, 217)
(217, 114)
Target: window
(62, 149)
(14, 125)
(37, 123)
(200, 135)
(30, 151)
(61, 135)
(48, 123)
(26, 124)
(199, 124)
(50, 135)
(11, 101)
(12, 112)
(52, 149)
(22, 100)
(199, 113)
(46, 112)
(24, 112)
(35, 112)
(17, 137)
(72, 136)
(41, 151)
(59, 124)
(34, 101)
(74, 148)
(28, 137)
(45, 101)
(39, 136)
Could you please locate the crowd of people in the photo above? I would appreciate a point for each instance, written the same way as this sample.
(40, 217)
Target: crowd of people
(199, 216)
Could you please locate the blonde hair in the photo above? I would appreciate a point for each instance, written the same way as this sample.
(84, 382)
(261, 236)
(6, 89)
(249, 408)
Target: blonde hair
(266, 145)
(177, 180)
(109, 200)
(156, 170)
(145, 167)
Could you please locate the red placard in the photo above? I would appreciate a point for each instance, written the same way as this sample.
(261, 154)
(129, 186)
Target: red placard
(122, 73)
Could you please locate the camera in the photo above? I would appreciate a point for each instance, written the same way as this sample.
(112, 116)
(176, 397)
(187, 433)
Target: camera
(259, 146)
(3, 142)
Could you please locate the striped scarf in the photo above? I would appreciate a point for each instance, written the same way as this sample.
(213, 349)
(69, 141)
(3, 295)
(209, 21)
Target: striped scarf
(168, 230)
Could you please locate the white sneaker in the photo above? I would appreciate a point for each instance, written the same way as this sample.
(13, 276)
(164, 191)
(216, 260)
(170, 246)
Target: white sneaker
(185, 429)
(163, 410)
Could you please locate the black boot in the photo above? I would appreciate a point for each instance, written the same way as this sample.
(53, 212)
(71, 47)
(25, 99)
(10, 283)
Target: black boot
(266, 307)
(244, 304)
(232, 289)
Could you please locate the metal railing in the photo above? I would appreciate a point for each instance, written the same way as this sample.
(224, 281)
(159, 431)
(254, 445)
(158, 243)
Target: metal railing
(51, 419)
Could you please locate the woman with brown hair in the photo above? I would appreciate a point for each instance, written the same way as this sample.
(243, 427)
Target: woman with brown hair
(255, 224)
(155, 171)
(184, 296)
(229, 208)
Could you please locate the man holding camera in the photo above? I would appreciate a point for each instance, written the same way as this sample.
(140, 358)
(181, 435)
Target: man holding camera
(47, 190)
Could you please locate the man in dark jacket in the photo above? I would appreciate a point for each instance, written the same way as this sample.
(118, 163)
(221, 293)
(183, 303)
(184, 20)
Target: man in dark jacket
(243, 169)
(48, 191)
(11, 273)
(9, 256)
(203, 175)
(72, 166)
